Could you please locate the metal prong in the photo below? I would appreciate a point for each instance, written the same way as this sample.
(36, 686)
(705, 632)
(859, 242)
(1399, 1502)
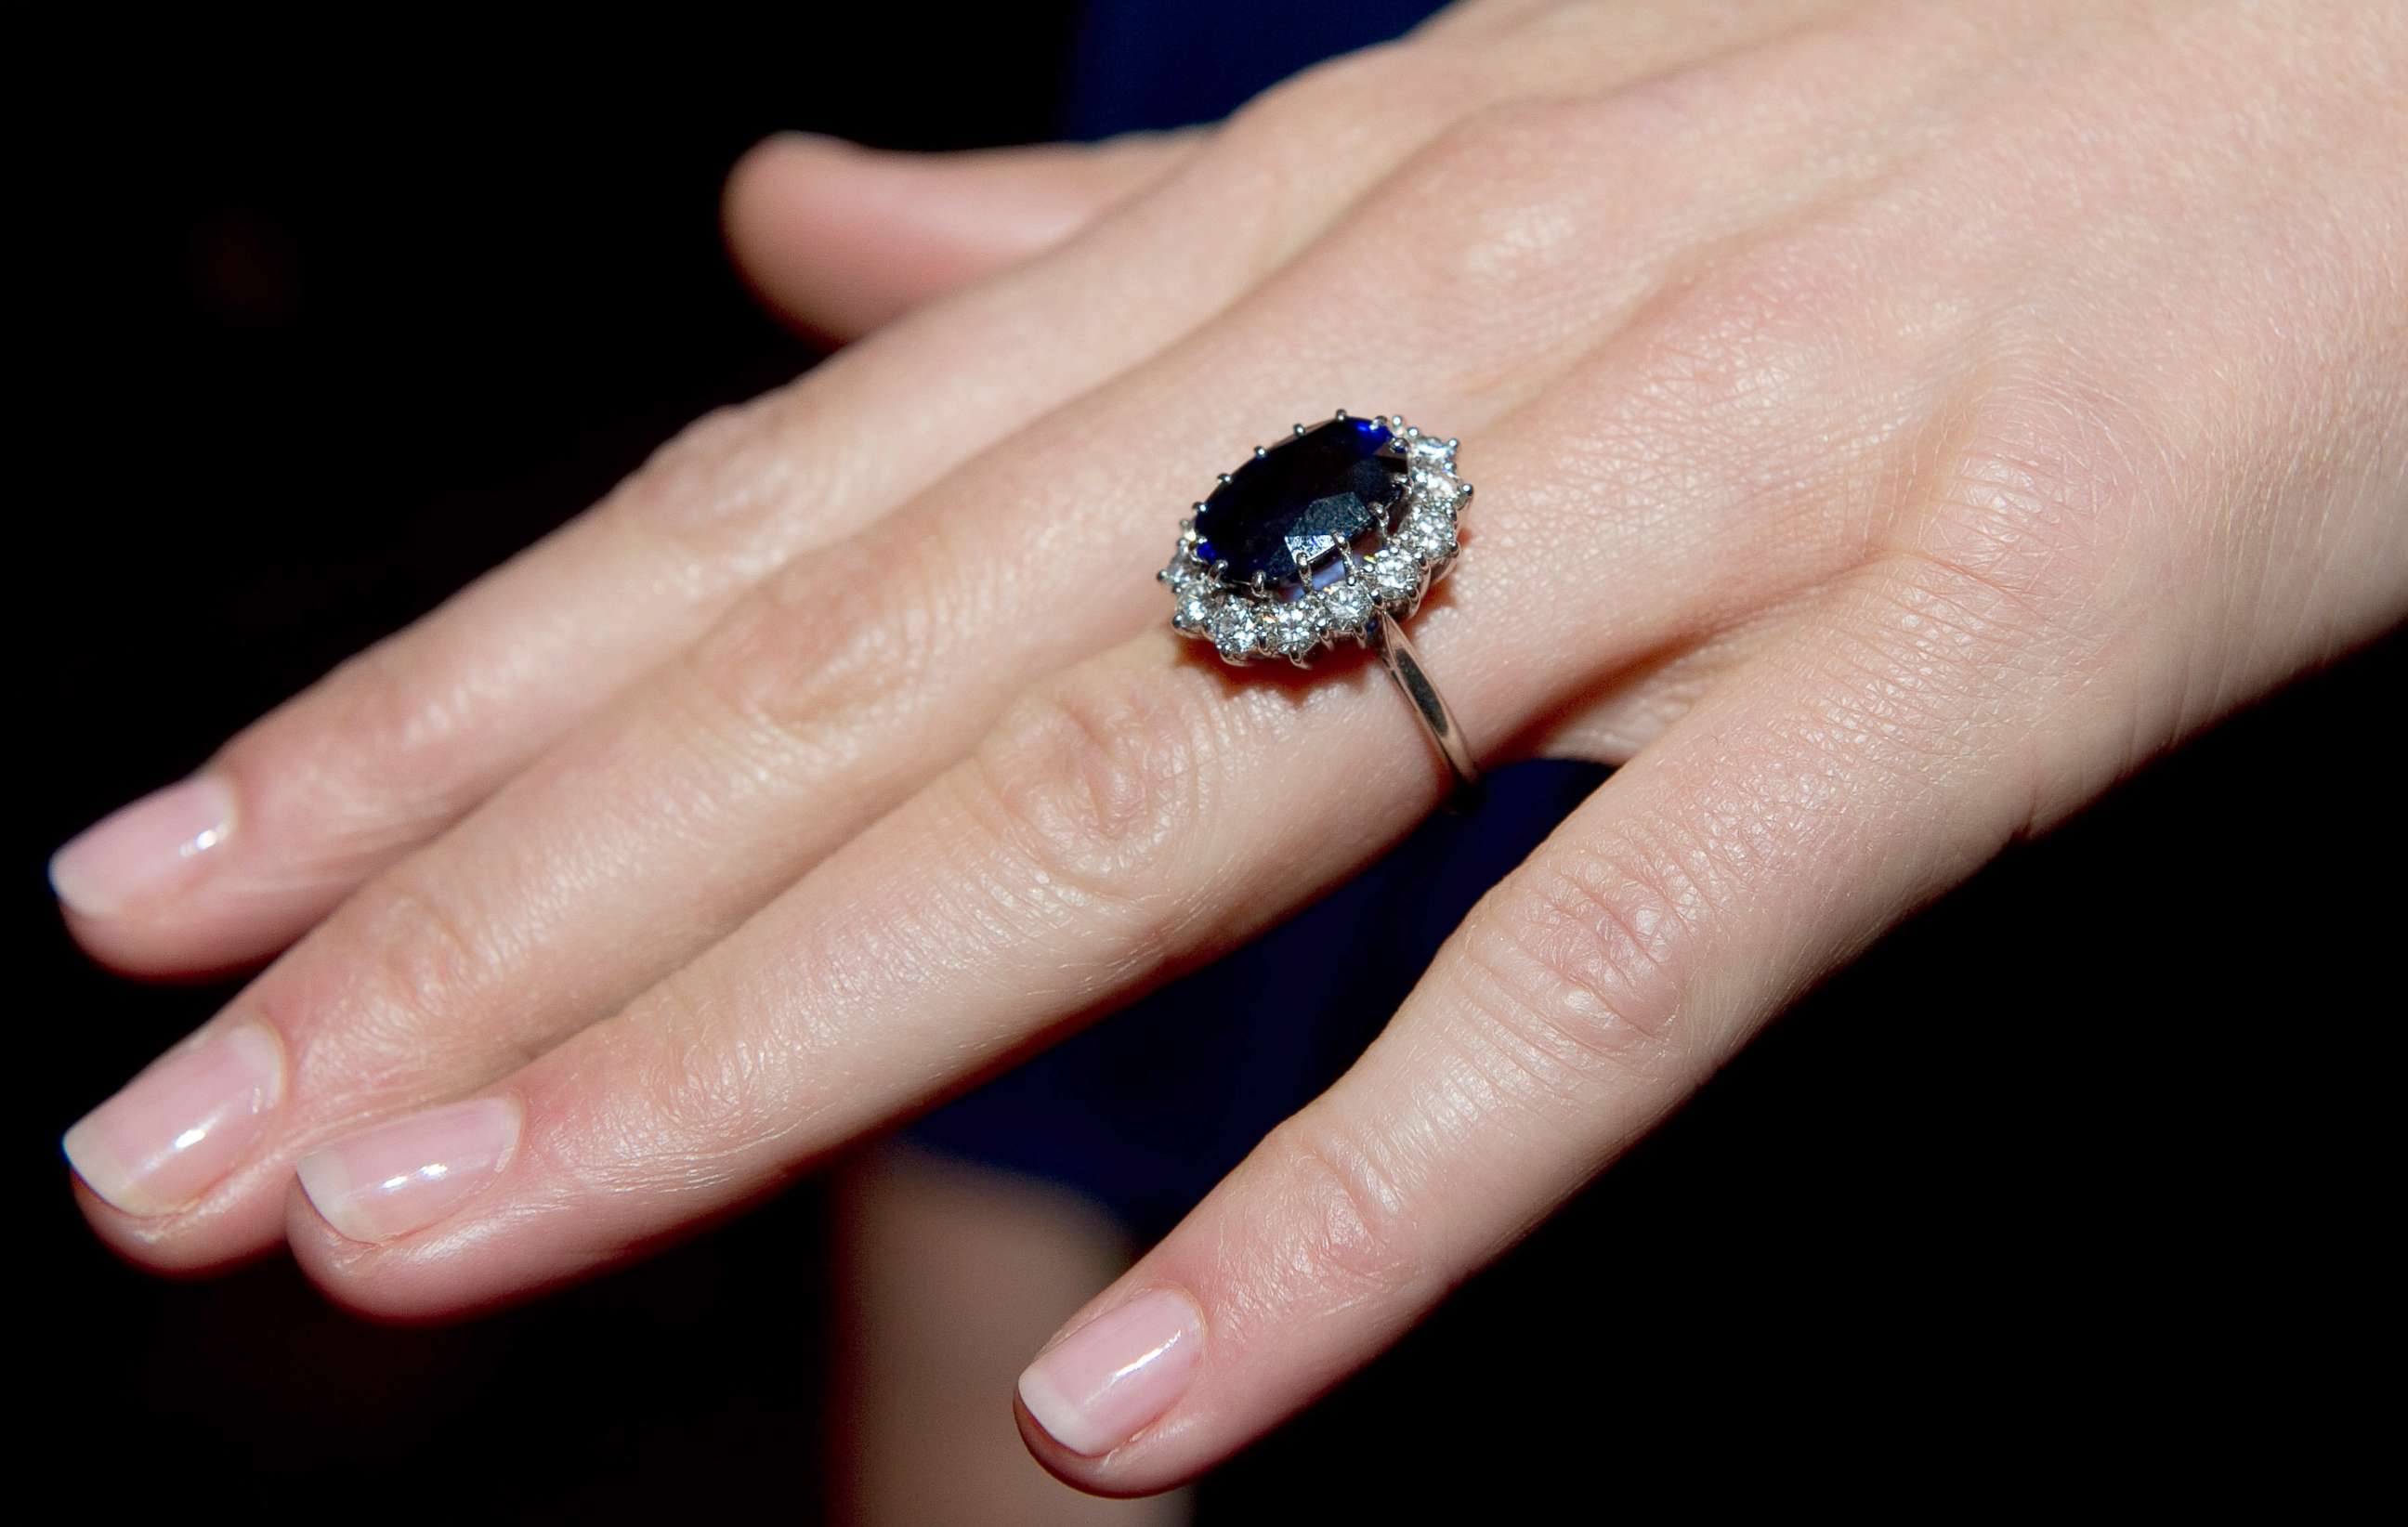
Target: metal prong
(1220, 566)
(1462, 491)
(1299, 429)
(1452, 444)
(1260, 452)
(1354, 569)
(1262, 584)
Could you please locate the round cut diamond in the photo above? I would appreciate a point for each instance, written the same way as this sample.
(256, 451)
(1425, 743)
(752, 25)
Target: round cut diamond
(1184, 570)
(1235, 629)
(1431, 533)
(1194, 608)
(1296, 627)
(1349, 605)
(1395, 573)
(1297, 503)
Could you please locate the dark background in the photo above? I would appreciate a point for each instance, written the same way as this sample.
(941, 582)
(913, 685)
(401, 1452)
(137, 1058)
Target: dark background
(2073, 1181)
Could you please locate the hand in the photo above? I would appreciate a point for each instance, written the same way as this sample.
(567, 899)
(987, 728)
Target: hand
(1893, 425)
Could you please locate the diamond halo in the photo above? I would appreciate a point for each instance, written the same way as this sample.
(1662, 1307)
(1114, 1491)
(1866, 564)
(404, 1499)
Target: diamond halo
(1313, 545)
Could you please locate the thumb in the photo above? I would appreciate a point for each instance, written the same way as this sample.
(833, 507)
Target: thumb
(838, 239)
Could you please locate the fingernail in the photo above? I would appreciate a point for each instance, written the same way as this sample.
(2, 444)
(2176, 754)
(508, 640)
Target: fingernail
(144, 851)
(1116, 1373)
(386, 1182)
(181, 1124)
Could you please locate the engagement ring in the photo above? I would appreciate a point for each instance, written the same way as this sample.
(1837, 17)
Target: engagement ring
(1333, 534)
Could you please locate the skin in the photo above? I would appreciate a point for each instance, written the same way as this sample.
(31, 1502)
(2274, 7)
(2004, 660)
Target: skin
(1893, 425)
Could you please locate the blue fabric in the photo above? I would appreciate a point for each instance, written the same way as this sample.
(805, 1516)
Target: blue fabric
(1145, 64)
(1146, 1110)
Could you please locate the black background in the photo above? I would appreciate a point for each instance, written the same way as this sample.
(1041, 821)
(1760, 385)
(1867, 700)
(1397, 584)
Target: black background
(2075, 1178)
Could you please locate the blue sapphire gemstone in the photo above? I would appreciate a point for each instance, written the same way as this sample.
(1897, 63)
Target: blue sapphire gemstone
(1290, 507)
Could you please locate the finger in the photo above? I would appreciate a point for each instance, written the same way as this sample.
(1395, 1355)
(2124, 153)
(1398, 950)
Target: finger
(841, 239)
(220, 870)
(392, 747)
(1119, 827)
(1863, 765)
(828, 695)
(827, 698)
(1999, 664)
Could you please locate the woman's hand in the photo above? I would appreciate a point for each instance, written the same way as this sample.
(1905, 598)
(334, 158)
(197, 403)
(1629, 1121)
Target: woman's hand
(1893, 425)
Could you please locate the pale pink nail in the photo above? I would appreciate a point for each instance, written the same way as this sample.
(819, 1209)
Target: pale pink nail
(404, 1176)
(181, 1124)
(1117, 1373)
(145, 852)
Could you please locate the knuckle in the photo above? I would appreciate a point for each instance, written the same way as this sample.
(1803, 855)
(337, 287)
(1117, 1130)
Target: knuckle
(683, 1100)
(2041, 484)
(1529, 185)
(1576, 972)
(835, 643)
(369, 760)
(689, 1089)
(1517, 229)
(712, 495)
(1094, 783)
(1500, 138)
(379, 998)
(1749, 393)
(1774, 326)
(1316, 101)
(1331, 1223)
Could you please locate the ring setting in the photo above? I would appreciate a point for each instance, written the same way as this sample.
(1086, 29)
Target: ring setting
(1333, 534)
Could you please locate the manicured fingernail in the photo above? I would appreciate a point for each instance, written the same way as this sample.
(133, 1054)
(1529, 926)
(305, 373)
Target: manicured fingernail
(1116, 1373)
(181, 1124)
(145, 852)
(403, 1175)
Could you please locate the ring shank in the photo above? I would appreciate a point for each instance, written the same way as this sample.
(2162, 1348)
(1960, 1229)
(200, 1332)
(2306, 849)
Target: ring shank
(1387, 639)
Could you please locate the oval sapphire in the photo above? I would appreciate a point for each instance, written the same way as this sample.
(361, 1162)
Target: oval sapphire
(1290, 507)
